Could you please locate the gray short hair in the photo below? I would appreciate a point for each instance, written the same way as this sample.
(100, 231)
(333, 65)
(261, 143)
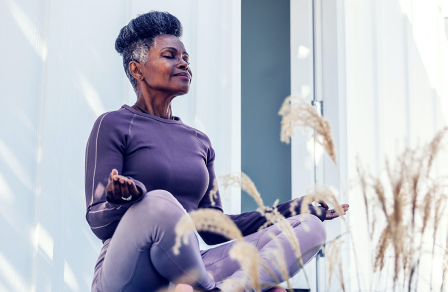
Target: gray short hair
(137, 37)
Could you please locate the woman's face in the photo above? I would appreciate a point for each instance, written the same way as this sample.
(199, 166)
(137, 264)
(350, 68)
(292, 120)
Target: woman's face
(166, 68)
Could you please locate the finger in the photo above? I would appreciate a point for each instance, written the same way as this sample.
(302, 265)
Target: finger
(122, 179)
(116, 187)
(133, 188)
(331, 216)
(124, 188)
(324, 205)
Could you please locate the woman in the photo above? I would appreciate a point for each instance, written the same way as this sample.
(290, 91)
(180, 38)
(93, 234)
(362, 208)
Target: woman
(145, 168)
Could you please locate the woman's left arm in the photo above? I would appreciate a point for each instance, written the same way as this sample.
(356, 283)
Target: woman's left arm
(248, 222)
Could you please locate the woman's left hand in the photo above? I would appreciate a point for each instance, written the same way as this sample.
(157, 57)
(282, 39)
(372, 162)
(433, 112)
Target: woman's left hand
(331, 214)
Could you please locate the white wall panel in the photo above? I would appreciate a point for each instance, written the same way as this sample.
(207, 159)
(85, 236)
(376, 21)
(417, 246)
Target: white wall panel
(302, 83)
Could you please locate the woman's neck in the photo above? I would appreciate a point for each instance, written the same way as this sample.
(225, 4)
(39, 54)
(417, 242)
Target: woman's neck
(156, 105)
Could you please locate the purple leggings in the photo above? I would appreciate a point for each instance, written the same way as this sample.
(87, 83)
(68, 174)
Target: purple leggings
(139, 256)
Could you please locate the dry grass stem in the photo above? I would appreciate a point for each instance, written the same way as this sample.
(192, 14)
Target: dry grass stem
(215, 221)
(237, 285)
(363, 182)
(332, 251)
(379, 191)
(407, 202)
(341, 276)
(382, 246)
(249, 258)
(293, 205)
(445, 264)
(439, 208)
(213, 192)
(243, 181)
(435, 146)
(283, 225)
(324, 193)
(270, 213)
(426, 209)
(297, 111)
(278, 260)
(205, 220)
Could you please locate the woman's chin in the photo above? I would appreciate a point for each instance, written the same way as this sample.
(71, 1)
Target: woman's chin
(183, 91)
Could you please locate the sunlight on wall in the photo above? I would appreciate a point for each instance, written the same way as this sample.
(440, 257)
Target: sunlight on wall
(70, 278)
(303, 52)
(10, 159)
(426, 32)
(41, 238)
(10, 276)
(91, 96)
(6, 193)
(29, 29)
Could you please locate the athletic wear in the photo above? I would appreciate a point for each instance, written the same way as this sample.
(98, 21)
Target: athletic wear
(155, 153)
(172, 165)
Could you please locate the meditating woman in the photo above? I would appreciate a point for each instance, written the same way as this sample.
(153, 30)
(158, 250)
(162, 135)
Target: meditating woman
(145, 169)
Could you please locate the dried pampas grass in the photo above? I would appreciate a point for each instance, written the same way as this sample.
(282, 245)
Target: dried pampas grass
(270, 213)
(213, 192)
(324, 193)
(297, 111)
(249, 258)
(215, 221)
(332, 250)
(382, 246)
(240, 179)
(407, 202)
(277, 257)
(204, 220)
(445, 264)
(245, 253)
(434, 147)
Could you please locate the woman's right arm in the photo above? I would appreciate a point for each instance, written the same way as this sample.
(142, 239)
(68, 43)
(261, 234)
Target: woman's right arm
(105, 152)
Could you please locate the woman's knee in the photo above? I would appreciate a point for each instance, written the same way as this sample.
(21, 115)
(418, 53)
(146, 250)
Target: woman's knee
(159, 205)
(314, 226)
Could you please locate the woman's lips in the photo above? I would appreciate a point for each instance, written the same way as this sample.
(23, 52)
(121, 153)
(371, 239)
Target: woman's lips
(183, 76)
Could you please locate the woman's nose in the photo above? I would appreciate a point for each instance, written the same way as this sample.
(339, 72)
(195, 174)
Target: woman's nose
(183, 65)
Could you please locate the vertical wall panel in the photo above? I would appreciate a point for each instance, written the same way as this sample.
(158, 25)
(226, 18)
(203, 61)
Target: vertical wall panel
(265, 78)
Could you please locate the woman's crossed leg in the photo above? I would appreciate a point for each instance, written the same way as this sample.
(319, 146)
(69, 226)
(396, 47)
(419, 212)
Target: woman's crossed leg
(311, 235)
(139, 256)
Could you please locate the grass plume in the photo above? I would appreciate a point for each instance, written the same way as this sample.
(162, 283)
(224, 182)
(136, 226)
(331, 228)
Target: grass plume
(296, 111)
(409, 200)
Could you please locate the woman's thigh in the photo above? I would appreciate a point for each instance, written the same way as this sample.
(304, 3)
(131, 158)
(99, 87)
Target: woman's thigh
(220, 266)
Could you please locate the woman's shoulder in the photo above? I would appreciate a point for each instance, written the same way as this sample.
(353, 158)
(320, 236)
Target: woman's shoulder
(202, 137)
(113, 119)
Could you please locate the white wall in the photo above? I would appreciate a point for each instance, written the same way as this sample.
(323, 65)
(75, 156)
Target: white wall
(59, 71)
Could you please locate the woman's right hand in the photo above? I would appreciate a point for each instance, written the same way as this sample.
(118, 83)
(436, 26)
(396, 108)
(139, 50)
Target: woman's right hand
(120, 187)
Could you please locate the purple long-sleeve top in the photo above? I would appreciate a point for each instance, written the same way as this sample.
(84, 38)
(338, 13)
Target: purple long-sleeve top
(155, 153)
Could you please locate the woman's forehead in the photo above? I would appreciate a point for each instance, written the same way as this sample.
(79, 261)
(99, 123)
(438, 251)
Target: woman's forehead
(167, 40)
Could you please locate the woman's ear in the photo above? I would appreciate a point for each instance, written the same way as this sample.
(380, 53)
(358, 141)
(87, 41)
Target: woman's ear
(134, 68)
